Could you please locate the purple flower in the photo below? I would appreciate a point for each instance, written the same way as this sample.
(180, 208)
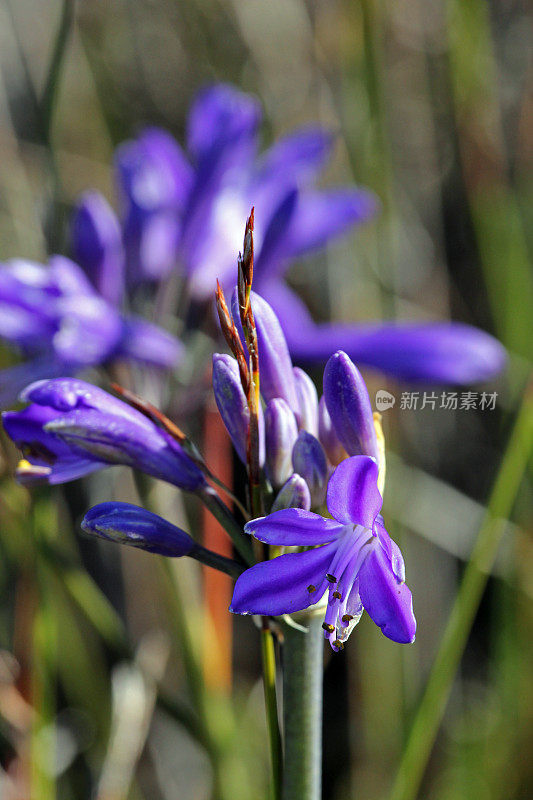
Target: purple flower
(190, 212)
(57, 318)
(71, 428)
(154, 181)
(357, 562)
(440, 352)
(201, 201)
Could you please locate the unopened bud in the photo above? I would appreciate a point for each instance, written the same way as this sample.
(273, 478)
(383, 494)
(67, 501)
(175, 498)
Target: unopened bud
(275, 365)
(349, 406)
(280, 435)
(232, 405)
(309, 461)
(293, 494)
(328, 436)
(307, 412)
(124, 523)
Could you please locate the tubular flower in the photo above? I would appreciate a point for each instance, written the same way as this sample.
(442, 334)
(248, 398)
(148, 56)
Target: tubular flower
(71, 428)
(357, 563)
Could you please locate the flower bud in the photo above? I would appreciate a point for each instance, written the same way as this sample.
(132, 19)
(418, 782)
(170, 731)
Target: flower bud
(309, 461)
(328, 436)
(232, 405)
(293, 494)
(307, 413)
(280, 435)
(275, 365)
(349, 406)
(128, 524)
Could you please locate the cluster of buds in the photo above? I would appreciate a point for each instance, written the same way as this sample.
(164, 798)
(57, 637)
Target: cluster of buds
(287, 441)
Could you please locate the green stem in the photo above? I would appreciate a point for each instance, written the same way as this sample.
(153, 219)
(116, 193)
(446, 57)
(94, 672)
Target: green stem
(193, 669)
(222, 513)
(216, 561)
(302, 710)
(52, 81)
(431, 709)
(271, 705)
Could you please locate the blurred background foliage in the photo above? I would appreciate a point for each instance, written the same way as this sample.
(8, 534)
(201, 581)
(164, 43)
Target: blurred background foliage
(432, 106)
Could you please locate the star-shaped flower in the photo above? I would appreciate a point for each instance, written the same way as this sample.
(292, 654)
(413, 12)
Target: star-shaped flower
(356, 561)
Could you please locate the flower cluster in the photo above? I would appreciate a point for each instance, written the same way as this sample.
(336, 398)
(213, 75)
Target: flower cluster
(305, 442)
(310, 450)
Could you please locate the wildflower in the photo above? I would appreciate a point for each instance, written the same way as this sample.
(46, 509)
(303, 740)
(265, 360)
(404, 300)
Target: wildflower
(56, 316)
(189, 213)
(434, 352)
(194, 206)
(357, 562)
(71, 428)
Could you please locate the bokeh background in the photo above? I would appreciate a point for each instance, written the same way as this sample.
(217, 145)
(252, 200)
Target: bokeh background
(432, 105)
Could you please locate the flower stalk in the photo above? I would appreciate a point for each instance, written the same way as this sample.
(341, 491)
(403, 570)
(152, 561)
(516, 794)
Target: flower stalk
(302, 710)
(249, 374)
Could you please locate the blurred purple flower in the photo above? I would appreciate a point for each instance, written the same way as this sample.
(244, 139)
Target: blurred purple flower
(72, 428)
(189, 213)
(357, 562)
(62, 324)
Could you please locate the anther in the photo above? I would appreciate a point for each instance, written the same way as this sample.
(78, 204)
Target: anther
(311, 588)
(328, 627)
(339, 644)
(337, 595)
(331, 578)
(347, 618)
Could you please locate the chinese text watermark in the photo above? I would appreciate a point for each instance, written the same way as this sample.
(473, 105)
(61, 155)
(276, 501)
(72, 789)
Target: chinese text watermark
(449, 401)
